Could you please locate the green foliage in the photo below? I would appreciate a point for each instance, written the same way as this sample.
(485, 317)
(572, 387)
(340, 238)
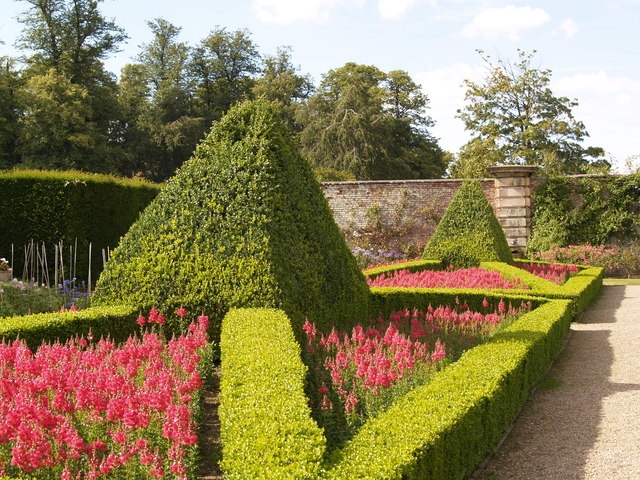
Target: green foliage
(607, 210)
(115, 322)
(370, 123)
(266, 426)
(515, 118)
(412, 266)
(616, 261)
(22, 299)
(469, 232)
(50, 206)
(445, 428)
(582, 287)
(242, 224)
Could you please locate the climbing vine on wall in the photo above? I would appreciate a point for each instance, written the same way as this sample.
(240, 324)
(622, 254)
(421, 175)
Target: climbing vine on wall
(595, 210)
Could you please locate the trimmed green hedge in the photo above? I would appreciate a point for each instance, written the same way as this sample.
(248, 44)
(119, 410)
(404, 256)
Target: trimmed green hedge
(53, 206)
(244, 223)
(444, 429)
(266, 426)
(385, 300)
(582, 287)
(116, 322)
(469, 232)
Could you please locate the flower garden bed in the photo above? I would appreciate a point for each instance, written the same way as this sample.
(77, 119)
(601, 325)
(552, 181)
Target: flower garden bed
(103, 409)
(442, 429)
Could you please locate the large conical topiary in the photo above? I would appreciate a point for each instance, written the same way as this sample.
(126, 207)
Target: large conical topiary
(469, 232)
(244, 223)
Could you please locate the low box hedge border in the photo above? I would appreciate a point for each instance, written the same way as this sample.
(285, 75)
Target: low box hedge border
(117, 323)
(582, 287)
(412, 266)
(266, 425)
(444, 429)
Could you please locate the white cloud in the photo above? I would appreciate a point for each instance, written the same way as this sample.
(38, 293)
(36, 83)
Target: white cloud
(394, 9)
(569, 27)
(289, 11)
(445, 89)
(608, 106)
(507, 22)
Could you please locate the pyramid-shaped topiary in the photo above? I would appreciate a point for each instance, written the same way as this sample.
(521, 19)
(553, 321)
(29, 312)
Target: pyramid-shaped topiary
(244, 223)
(469, 232)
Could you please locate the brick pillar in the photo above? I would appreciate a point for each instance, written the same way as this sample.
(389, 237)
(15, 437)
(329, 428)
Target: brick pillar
(512, 203)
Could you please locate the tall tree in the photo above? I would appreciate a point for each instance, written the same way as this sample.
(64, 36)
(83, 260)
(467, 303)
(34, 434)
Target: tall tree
(69, 40)
(281, 84)
(69, 36)
(224, 67)
(515, 118)
(165, 113)
(10, 109)
(56, 128)
(371, 124)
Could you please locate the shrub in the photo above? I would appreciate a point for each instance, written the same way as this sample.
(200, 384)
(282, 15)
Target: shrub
(266, 427)
(445, 428)
(52, 206)
(243, 223)
(469, 232)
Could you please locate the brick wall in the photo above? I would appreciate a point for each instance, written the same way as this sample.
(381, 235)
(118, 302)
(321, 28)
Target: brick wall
(407, 211)
(411, 208)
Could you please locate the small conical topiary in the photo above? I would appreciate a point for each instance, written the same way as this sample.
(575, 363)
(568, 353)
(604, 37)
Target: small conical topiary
(244, 223)
(469, 232)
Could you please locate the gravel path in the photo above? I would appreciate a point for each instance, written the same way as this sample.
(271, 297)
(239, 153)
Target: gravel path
(583, 421)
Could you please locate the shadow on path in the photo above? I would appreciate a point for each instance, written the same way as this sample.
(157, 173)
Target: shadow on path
(561, 432)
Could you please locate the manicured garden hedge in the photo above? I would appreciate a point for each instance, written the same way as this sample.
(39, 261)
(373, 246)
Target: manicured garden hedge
(469, 232)
(53, 206)
(412, 266)
(267, 431)
(582, 287)
(442, 430)
(244, 223)
(117, 322)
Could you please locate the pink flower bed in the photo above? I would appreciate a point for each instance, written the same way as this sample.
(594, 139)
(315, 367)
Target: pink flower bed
(552, 272)
(463, 278)
(358, 374)
(85, 410)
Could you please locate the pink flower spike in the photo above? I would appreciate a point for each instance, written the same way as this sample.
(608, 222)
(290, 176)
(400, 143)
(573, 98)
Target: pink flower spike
(182, 312)
(153, 315)
(141, 320)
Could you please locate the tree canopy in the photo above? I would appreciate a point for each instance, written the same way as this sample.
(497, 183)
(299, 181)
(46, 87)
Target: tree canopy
(515, 118)
(60, 108)
(371, 124)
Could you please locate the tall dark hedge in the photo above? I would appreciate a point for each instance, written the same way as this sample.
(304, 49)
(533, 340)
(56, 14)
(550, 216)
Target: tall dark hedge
(469, 232)
(52, 206)
(243, 223)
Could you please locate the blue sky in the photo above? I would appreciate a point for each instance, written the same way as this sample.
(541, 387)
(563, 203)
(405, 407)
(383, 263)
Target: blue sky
(590, 47)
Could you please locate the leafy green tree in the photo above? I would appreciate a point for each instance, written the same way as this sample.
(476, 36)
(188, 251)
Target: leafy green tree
(69, 40)
(281, 84)
(56, 127)
(133, 139)
(10, 83)
(161, 129)
(515, 118)
(70, 36)
(372, 124)
(224, 66)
